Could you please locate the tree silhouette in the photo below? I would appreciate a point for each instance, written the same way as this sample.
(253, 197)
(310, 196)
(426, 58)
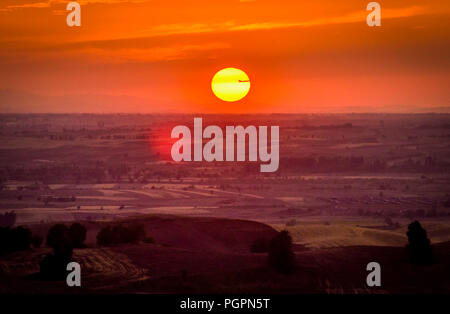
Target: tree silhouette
(120, 233)
(15, 239)
(20, 238)
(77, 233)
(53, 266)
(36, 241)
(281, 256)
(105, 237)
(419, 246)
(59, 239)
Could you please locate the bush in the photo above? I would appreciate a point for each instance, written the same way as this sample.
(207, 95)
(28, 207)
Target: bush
(260, 245)
(135, 233)
(15, 239)
(281, 257)
(53, 266)
(419, 246)
(105, 237)
(119, 234)
(20, 238)
(77, 233)
(59, 239)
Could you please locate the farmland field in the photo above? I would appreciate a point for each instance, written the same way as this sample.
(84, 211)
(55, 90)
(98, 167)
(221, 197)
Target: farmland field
(347, 188)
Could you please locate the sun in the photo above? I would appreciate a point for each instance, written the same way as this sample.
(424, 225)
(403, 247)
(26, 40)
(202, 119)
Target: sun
(230, 84)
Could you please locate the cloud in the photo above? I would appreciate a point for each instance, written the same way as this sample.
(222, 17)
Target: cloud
(50, 3)
(354, 17)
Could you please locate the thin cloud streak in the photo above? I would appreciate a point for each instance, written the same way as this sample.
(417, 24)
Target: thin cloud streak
(358, 16)
(50, 3)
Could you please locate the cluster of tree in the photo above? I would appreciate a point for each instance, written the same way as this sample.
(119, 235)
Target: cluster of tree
(420, 213)
(325, 163)
(428, 164)
(17, 239)
(121, 233)
(62, 240)
(389, 222)
(409, 213)
(347, 125)
(281, 256)
(59, 137)
(66, 172)
(341, 164)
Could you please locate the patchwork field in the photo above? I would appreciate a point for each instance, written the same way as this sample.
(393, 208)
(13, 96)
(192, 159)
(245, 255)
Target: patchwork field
(347, 187)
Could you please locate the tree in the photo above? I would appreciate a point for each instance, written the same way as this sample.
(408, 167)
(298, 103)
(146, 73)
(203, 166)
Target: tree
(105, 236)
(77, 233)
(281, 257)
(53, 266)
(20, 238)
(59, 239)
(120, 233)
(419, 246)
(15, 239)
(135, 233)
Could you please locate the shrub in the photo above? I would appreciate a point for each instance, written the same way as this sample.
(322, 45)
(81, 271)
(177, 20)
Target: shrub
(120, 233)
(53, 266)
(260, 245)
(135, 233)
(105, 236)
(419, 246)
(15, 239)
(281, 257)
(59, 239)
(20, 239)
(77, 233)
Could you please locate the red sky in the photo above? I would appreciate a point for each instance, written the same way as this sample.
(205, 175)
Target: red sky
(160, 56)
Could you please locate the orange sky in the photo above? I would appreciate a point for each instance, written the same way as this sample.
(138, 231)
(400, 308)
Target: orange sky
(160, 56)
